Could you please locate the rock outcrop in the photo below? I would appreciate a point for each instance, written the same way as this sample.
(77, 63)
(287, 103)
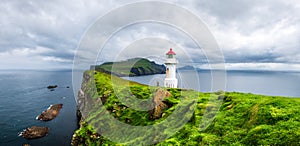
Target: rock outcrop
(52, 86)
(50, 113)
(159, 96)
(34, 132)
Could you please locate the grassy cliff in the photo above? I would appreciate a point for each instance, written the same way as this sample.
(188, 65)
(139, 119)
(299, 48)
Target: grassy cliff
(132, 67)
(243, 119)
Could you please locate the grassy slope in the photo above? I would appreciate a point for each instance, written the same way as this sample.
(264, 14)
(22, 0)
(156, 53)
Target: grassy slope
(243, 119)
(137, 66)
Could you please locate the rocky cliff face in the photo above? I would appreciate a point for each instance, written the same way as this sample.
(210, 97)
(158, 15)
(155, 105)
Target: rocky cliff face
(84, 97)
(83, 100)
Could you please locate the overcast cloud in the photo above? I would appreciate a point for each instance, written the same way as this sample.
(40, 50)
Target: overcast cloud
(253, 34)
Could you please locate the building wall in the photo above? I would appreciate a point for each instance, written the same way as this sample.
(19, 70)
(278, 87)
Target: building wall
(171, 83)
(171, 80)
(172, 71)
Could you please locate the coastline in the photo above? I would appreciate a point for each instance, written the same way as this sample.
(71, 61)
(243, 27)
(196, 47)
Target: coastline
(224, 106)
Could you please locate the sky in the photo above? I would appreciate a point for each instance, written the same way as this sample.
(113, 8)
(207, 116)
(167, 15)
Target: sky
(252, 34)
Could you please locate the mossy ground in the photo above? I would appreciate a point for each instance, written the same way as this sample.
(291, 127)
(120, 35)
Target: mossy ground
(242, 119)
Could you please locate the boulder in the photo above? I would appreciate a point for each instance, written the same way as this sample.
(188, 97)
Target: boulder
(50, 113)
(34, 132)
(159, 96)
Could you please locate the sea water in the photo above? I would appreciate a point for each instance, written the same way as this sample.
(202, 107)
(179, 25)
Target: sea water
(274, 83)
(23, 96)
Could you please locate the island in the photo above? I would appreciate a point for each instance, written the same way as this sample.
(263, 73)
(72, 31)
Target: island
(131, 67)
(187, 67)
(241, 119)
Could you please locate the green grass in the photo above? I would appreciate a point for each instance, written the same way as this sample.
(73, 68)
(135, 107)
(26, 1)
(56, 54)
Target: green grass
(242, 119)
(131, 67)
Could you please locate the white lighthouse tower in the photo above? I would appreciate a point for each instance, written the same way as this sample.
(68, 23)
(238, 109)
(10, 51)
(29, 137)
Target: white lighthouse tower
(171, 80)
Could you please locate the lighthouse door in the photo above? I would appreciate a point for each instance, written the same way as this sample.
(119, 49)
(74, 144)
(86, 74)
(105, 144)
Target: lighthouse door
(167, 72)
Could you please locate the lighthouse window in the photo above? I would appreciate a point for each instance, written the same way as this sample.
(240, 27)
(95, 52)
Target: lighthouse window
(170, 56)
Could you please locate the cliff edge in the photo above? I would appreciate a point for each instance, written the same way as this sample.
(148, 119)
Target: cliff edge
(242, 119)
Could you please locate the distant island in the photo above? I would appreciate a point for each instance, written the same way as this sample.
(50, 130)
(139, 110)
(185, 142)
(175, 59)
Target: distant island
(187, 67)
(131, 67)
(242, 119)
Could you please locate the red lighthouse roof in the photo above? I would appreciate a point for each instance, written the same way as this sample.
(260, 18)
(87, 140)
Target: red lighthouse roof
(171, 52)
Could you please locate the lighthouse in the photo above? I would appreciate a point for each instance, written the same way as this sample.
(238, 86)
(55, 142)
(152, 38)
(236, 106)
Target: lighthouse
(171, 80)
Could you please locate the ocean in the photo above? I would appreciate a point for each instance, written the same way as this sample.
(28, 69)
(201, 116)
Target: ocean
(24, 95)
(273, 83)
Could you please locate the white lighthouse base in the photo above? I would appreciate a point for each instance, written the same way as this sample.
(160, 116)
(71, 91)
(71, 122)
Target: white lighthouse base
(171, 82)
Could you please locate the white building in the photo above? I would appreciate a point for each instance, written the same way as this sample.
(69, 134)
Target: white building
(171, 80)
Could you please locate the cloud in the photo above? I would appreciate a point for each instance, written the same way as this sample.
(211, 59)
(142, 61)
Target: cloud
(144, 40)
(257, 66)
(254, 31)
(57, 25)
(56, 59)
(26, 58)
(27, 51)
(46, 33)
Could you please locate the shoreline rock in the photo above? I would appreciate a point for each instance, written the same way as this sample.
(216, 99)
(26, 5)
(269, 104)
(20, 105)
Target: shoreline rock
(52, 86)
(51, 113)
(34, 132)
